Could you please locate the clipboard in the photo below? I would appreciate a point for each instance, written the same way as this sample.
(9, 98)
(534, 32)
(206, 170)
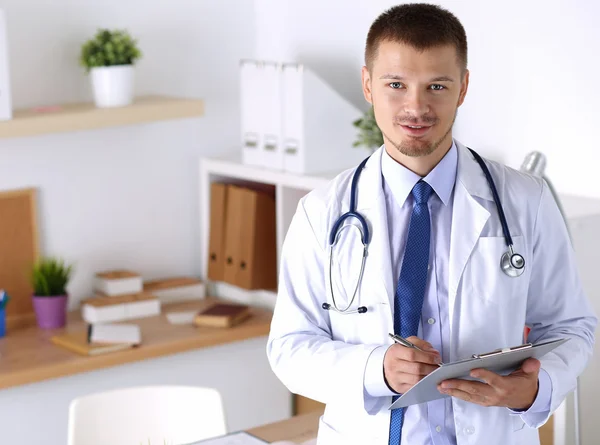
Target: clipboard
(501, 361)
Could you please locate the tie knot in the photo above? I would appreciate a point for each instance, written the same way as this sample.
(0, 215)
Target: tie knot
(421, 192)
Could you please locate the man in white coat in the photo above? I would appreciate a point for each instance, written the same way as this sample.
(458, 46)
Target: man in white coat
(432, 272)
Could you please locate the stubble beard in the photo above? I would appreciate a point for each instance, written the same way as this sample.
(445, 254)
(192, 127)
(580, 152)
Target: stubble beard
(416, 148)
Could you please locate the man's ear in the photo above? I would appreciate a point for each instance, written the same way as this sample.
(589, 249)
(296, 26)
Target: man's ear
(366, 84)
(463, 88)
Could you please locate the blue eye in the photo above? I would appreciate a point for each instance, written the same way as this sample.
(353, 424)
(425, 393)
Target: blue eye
(437, 87)
(396, 85)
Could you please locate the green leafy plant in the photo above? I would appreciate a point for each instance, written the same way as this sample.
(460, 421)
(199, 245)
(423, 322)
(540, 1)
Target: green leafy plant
(49, 277)
(109, 48)
(369, 134)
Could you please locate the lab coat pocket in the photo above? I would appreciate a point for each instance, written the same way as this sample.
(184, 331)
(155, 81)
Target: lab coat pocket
(484, 276)
(365, 328)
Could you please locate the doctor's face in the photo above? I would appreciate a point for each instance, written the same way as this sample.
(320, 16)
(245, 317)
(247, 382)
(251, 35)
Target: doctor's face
(415, 96)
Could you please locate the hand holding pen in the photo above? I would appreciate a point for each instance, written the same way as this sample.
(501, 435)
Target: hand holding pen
(408, 361)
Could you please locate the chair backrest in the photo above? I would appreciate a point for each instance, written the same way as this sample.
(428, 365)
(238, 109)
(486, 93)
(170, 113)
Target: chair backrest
(155, 415)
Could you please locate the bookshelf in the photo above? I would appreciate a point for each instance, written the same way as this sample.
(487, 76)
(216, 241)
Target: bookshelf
(288, 188)
(86, 116)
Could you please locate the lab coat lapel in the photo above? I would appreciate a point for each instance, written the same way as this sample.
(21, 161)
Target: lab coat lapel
(468, 219)
(378, 281)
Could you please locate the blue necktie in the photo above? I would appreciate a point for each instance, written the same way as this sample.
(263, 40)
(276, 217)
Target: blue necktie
(411, 285)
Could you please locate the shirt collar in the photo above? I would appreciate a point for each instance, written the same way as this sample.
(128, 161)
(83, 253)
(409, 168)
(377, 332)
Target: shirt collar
(401, 180)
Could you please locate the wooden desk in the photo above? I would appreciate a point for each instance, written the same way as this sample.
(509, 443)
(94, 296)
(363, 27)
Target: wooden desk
(28, 355)
(297, 429)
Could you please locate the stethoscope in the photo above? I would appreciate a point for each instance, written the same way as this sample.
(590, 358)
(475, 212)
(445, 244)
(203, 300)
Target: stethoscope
(511, 263)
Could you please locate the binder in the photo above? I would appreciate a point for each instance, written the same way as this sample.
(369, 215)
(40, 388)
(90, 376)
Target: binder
(250, 243)
(257, 266)
(216, 243)
(233, 230)
(270, 114)
(502, 361)
(5, 95)
(250, 107)
(317, 126)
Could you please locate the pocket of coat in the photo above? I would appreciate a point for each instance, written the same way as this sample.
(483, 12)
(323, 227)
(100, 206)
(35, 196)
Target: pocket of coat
(484, 275)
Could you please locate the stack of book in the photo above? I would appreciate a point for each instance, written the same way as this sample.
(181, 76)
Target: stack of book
(122, 295)
(100, 339)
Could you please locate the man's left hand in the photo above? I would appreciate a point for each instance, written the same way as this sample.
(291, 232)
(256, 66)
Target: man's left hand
(516, 391)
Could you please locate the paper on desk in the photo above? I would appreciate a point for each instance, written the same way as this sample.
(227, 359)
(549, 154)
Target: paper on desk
(239, 438)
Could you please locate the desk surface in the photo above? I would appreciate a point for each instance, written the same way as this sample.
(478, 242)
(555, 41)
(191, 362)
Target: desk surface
(297, 429)
(27, 355)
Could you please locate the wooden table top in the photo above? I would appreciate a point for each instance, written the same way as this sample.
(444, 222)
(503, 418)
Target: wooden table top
(296, 429)
(27, 355)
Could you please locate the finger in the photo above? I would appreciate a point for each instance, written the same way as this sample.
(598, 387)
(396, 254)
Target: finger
(415, 368)
(531, 366)
(414, 355)
(489, 377)
(402, 382)
(424, 345)
(467, 397)
(474, 388)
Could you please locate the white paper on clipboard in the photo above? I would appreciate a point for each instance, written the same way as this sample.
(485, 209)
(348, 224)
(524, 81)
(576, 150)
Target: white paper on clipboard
(502, 362)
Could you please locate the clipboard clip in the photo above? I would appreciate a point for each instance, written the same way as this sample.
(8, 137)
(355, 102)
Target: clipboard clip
(503, 351)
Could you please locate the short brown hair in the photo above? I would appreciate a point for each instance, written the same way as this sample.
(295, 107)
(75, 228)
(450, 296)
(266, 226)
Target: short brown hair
(420, 25)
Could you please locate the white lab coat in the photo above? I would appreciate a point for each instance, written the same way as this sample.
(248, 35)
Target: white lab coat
(322, 355)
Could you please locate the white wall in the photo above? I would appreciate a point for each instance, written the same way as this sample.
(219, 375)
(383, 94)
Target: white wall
(532, 69)
(124, 197)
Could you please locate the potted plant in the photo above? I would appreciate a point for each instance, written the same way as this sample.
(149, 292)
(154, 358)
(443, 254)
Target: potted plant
(369, 134)
(110, 57)
(49, 277)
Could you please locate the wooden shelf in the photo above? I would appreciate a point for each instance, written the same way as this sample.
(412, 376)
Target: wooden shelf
(28, 355)
(86, 116)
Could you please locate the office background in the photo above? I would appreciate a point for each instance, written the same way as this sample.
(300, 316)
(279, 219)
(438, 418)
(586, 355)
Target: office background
(532, 88)
(129, 195)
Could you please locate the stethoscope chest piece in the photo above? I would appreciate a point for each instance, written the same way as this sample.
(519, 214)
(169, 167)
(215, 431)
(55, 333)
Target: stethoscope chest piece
(512, 264)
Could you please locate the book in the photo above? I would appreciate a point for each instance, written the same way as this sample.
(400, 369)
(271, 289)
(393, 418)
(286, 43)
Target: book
(114, 333)
(176, 289)
(78, 342)
(118, 282)
(222, 315)
(102, 308)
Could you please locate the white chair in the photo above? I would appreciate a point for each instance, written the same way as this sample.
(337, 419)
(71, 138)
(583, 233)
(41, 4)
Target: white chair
(155, 415)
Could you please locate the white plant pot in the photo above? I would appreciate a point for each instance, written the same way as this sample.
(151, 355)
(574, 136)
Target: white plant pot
(112, 85)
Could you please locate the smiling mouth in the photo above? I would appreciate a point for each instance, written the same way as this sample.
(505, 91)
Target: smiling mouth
(416, 130)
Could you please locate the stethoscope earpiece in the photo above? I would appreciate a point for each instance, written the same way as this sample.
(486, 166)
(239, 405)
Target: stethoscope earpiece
(359, 310)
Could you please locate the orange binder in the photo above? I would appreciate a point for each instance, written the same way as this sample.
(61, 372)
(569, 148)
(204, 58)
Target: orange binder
(250, 239)
(216, 245)
(233, 229)
(257, 266)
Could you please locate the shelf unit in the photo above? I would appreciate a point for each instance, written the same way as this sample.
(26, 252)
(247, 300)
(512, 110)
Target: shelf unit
(288, 188)
(86, 116)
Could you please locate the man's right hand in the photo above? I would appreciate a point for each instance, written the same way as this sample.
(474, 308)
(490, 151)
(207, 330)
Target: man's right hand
(404, 367)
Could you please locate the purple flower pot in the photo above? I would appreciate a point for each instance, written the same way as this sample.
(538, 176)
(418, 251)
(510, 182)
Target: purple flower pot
(50, 312)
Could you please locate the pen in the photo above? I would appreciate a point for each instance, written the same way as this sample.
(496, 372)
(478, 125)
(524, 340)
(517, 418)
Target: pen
(405, 342)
